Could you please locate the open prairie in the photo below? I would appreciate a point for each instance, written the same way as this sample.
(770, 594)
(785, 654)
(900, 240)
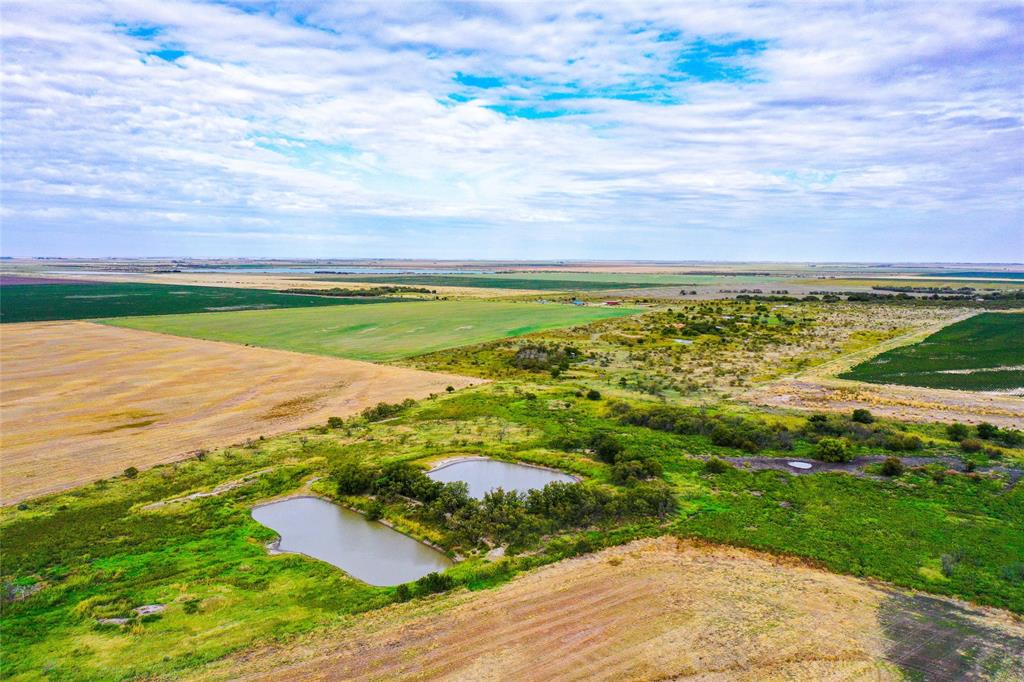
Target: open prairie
(82, 401)
(659, 609)
(376, 333)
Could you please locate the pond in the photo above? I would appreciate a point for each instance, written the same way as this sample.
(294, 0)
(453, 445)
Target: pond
(484, 475)
(366, 550)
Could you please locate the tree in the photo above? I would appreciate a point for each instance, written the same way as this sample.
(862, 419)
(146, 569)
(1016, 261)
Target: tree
(833, 450)
(131, 472)
(450, 389)
(605, 446)
(593, 394)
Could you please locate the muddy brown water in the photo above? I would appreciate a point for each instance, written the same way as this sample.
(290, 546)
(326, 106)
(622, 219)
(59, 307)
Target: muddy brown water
(485, 475)
(366, 550)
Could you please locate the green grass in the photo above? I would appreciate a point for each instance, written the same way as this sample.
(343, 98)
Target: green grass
(375, 333)
(986, 346)
(41, 302)
(549, 281)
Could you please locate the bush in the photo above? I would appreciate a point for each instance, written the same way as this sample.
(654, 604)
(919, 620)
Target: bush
(593, 394)
(957, 432)
(892, 466)
(382, 411)
(631, 470)
(862, 416)
(971, 445)
(403, 593)
(375, 511)
(833, 450)
(434, 582)
(131, 472)
(335, 422)
(987, 431)
(605, 446)
(351, 478)
(903, 442)
(716, 466)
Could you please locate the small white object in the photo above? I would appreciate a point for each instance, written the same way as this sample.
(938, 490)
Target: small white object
(799, 465)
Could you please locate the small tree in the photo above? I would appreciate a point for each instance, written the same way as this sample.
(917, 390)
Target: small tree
(862, 416)
(833, 450)
(450, 389)
(987, 431)
(131, 472)
(593, 394)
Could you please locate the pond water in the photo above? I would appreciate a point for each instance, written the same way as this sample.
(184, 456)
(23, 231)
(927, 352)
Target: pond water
(366, 550)
(484, 475)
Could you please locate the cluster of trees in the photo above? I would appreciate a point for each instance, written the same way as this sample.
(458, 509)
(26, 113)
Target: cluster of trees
(859, 428)
(367, 292)
(547, 358)
(984, 433)
(628, 468)
(749, 435)
(503, 517)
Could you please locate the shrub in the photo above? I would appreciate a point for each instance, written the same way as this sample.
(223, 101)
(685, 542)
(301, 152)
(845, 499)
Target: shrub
(131, 472)
(605, 446)
(862, 416)
(593, 394)
(630, 470)
(833, 450)
(335, 422)
(434, 582)
(957, 432)
(892, 466)
(716, 466)
(987, 431)
(350, 478)
(903, 442)
(375, 511)
(971, 445)
(403, 593)
(382, 411)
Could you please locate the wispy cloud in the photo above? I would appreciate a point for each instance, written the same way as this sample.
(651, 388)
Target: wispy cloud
(658, 130)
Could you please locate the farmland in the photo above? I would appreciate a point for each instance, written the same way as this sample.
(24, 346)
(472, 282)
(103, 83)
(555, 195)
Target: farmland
(547, 281)
(656, 609)
(101, 550)
(114, 398)
(375, 333)
(982, 353)
(86, 300)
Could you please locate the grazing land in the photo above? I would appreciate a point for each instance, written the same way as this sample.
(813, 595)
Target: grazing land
(376, 333)
(658, 609)
(981, 353)
(548, 281)
(88, 300)
(82, 401)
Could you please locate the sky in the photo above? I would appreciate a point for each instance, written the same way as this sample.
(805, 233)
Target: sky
(577, 130)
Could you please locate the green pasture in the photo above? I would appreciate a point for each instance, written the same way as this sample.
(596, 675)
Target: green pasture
(375, 333)
(552, 281)
(88, 300)
(981, 353)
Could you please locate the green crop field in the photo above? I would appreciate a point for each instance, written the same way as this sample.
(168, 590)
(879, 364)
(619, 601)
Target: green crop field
(375, 333)
(550, 281)
(981, 353)
(42, 302)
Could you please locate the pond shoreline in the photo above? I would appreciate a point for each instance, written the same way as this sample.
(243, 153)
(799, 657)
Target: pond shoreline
(445, 463)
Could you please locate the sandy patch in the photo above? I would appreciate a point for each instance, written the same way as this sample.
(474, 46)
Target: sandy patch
(81, 401)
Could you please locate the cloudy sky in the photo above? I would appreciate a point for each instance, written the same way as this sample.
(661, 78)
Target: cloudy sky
(682, 130)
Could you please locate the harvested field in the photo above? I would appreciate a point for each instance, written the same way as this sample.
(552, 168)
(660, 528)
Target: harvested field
(659, 609)
(376, 332)
(82, 401)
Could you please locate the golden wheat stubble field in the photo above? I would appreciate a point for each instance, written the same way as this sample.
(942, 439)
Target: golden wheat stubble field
(82, 401)
(652, 610)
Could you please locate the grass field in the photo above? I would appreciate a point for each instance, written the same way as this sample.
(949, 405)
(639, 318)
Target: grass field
(375, 333)
(550, 281)
(82, 401)
(87, 300)
(981, 353)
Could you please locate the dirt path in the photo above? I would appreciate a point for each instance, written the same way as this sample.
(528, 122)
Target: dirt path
(653, 610)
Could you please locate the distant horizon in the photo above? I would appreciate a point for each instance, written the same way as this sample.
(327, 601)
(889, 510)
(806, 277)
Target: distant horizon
(800, 132)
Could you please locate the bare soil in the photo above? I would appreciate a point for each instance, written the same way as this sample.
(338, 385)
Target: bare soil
(82, 401)
(657, 610)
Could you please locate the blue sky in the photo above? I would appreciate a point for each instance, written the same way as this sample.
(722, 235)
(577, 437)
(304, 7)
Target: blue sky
(697, 130)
